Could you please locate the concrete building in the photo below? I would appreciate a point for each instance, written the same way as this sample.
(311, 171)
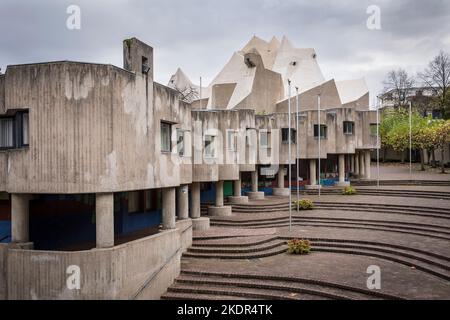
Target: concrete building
(103, 171)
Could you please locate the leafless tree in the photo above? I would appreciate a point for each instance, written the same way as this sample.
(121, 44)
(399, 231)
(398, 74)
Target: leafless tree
(437, 75)
(400, 84)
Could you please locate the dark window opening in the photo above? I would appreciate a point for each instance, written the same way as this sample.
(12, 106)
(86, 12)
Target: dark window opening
(166, 134)
(373, 129)
(14, 131)
(285, 135)
(323, 131)
(349, 127)
(145, 65)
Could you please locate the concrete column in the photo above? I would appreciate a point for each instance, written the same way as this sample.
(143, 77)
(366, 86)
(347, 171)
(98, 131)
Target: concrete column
(20, 213)
(255, 194)
(183, 202)
(237, 191)
(367, 163)
(312, 175)
(237, 187)
(341, 165)
(280, 177)
(219, 193)
(198, 223)
(361, 165)
(255, 181)
(219, 209)
(104, 220)
(352, 163)
(356, 160)
(281, 190)
(195, 200)
(168, 208)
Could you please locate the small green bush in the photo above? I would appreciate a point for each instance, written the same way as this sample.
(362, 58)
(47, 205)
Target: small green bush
(348, 191)
(298, 246)
(304, 204)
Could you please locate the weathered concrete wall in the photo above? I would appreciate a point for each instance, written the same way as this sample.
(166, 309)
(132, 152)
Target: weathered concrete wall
(204, 122)
(93, 128)
(329, 98)
(185, 229)
(141, 269)
(2, 93)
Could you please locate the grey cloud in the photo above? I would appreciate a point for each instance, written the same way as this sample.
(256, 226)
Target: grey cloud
(201, 35)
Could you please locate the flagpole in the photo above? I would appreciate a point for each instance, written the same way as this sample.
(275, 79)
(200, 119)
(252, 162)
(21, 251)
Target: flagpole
(298, 149)
(319, 135)
(377, 105)
(410, 140)
(289, 156)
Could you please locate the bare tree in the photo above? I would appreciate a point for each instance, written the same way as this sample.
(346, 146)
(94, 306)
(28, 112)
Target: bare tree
(400, 84)
(437, 75)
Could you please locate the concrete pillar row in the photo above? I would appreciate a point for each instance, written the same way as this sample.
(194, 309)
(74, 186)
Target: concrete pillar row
(104, 220)
(168, 208)
(362, 174)
(20, 213)
(312, 175)
(367, 162)
(183, 202)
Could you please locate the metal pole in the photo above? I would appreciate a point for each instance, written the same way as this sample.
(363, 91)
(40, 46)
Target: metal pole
(289, 155)
(378, 142)
(298, 149)
(201, 103)
(410, 140)
(319, 138)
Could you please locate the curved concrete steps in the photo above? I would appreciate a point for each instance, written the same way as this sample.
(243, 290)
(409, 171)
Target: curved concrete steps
(430, 263)
(401, 182)
(267, 287)
(346, 206)
(382, 192)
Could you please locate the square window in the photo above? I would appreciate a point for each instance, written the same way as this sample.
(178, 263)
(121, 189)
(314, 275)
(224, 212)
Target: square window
(180, 142)
(323, 131)
(7, 133)
(264, 139)
(166, 134)
(232, 140)
(373, 129)
(285, 135)
(210, 151)
(349, 127)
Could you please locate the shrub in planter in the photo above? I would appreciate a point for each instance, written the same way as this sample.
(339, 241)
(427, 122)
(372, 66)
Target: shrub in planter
(298, 246)
(304, 204)
(348, 191)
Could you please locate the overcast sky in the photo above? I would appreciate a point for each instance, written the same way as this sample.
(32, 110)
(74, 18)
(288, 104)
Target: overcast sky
(200, 35)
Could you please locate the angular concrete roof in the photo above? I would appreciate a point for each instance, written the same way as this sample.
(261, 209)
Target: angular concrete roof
(296, 64)
(351, 90)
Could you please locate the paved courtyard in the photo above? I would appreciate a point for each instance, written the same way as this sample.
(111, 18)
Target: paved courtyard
(404, 230)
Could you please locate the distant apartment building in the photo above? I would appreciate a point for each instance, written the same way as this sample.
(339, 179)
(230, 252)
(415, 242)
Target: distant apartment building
(104, 171)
